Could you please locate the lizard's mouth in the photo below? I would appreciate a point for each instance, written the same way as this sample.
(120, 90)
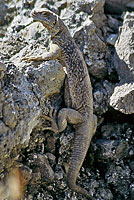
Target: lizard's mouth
(36, 16)
(43, 17)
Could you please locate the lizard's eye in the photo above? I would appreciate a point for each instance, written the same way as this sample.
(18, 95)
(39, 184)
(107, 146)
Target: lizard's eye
(44, 14)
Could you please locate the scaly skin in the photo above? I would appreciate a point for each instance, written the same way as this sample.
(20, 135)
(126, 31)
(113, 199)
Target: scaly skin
(78, 92)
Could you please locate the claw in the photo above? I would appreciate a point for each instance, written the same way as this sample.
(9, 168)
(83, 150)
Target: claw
(51, 118)
(51, 112)
(25, 59)
(55, 113)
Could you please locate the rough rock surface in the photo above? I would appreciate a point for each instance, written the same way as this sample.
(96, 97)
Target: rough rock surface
(118, 6)
(122, 98)
(21, 98)
(124, 44)
(19, 113)
(28, 90)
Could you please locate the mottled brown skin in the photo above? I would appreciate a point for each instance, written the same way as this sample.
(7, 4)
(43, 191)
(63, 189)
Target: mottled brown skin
(78, 92)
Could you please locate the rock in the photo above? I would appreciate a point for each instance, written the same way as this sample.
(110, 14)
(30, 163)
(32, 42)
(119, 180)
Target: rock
(48, 77)
(125, 75)
(123, 98)
(101, 94)
(3, 129)
(2, 75)
(111, 145)
(51, 144)
(2, 70)
(91, 45)
(130, 5)
(119, 177)
(114, 143)
(2, 98)
(28, 3)
(111, 149)
(51, 158)
(113, 23)
(97, 8)
(19, 22)
(9, 114)
(20, 114)
(10, 46)
(118, 6)
(112, 39)
(32, 31)
(18, 179)
(3, 12)
(20, 107)
(7, 12)
(72, 14)
(124, 44)
(42, 169)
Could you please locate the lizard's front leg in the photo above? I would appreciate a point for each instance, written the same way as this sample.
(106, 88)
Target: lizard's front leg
(52, 55)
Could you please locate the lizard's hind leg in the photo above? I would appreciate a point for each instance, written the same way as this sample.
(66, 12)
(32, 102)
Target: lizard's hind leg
(84, 133)
(68, 115)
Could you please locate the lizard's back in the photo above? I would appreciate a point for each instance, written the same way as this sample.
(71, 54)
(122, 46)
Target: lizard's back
(78, 89)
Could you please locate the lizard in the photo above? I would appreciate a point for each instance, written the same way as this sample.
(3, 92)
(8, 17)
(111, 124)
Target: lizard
(78, 92)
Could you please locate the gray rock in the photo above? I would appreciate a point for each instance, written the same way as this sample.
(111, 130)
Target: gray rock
(48, 76)
(93, 48)
(118, 177)
(112, 149)
(124, 44)
(97, 14)
(112, 39)
(10, 46)
(2, 70)
(19, 22)
(123, 98)
(20, 106)
(42, 167)
(125, 75)
(9, 114)
(113, 23)
(118, 6)
(20, 112)
(130, 5)
(101, 94)
(2, 75)
(3, 12)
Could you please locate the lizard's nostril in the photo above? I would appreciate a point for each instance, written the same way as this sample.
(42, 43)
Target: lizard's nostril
(33, 13)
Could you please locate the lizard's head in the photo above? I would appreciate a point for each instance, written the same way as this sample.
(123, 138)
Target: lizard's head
(47, 18)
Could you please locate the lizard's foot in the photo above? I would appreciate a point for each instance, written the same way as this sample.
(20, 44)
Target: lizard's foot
(52, 119)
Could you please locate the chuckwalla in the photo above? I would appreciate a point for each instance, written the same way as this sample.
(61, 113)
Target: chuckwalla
(78, 92)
